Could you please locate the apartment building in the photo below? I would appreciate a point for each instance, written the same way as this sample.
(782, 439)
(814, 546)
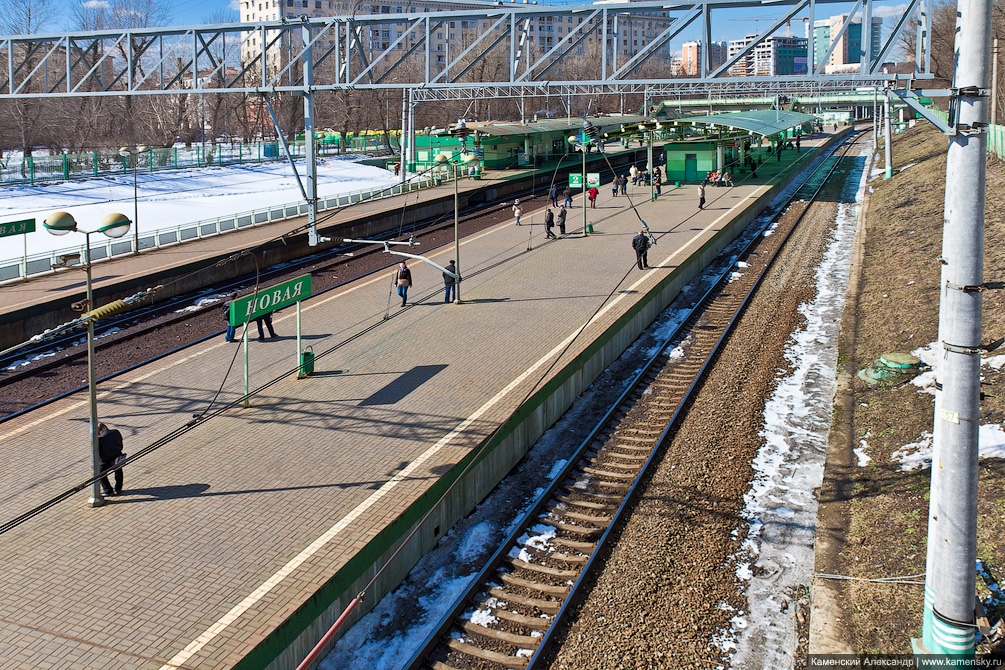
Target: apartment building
(775, 56)
(850, 48)
(691, 57)
(544, 32)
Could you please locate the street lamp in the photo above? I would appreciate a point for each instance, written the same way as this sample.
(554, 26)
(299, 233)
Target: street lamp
(584, 140)
(114, 226)
(461, 131)
(125, 151)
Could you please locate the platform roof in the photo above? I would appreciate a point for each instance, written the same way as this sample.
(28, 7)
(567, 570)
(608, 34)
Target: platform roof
(758, 121)
(574, 124)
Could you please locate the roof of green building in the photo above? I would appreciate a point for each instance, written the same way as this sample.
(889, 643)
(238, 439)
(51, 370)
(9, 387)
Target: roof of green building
(499, 129)
(759, 121)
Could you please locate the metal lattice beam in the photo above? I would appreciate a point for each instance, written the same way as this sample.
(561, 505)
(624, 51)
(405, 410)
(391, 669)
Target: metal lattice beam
(347, 52)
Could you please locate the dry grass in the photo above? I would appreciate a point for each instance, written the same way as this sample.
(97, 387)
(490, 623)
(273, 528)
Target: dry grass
(898, 311)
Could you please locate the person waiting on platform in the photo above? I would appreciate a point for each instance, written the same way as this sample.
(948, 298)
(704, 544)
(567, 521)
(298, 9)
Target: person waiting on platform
(517, 212)
(226, 317)
(727, 179)
(403, 278)
(549, 223)
(567, 194)
(593, 193)
(641, 245)
(623, 183)
(561, 220)
(267, 320)
(110, 452)
(450, 282)
(634, 172)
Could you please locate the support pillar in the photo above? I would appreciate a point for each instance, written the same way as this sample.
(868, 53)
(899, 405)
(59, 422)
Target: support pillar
(949, 616)
(309, 153)
(403, 138)
(887, 139)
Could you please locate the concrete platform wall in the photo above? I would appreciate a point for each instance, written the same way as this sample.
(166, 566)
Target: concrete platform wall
(288, 645)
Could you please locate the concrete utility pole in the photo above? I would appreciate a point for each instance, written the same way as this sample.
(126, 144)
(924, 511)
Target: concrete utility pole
(311, 186)
(875, 121)
(949, 617)
(888, 137)
(994, 81)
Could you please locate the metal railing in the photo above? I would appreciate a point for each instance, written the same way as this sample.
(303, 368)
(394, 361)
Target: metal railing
(17, 269)
(63, 167)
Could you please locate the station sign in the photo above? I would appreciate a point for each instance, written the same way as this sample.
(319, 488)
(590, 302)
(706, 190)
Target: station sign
(263, 301)
(17, 227)
(576, 179)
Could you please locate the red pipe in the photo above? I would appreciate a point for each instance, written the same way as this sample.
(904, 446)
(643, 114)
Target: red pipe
(316, 651)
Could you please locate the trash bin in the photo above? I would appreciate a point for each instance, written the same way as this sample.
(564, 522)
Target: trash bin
(676, 184)
(589, 228)
(306, 362)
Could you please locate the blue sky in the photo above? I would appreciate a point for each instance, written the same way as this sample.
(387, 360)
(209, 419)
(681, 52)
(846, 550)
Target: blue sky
(726, 23)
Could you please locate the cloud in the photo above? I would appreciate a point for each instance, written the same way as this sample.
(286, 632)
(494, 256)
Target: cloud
(235, 5)
(96, 4)
(894, 12)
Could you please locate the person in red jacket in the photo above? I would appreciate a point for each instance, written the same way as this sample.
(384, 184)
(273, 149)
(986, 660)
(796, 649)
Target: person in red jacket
(593, 193)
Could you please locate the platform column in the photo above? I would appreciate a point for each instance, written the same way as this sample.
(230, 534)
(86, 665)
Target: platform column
(309, 154)
(887, 138)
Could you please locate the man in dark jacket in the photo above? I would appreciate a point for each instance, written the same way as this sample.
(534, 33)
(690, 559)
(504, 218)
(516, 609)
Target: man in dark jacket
(549, 223)
(226, 317)
(450, 282)
(109, 451)
(641, 245)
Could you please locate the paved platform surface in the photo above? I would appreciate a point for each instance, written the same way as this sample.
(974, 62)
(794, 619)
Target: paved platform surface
(224, 531)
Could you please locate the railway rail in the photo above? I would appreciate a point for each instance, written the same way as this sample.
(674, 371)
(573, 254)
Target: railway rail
(508, 614)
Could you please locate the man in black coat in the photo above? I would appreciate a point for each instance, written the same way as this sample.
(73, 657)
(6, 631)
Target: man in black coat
(641, 245)
(549, 223)
(110, 450)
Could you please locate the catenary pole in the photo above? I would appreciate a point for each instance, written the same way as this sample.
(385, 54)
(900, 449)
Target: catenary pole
(309, 153)
(950, 577)
(887, 138)
(875, 121)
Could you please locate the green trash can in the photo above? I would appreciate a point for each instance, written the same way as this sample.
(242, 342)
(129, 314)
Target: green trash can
(306, 363)
(676, 184)
(589, 228)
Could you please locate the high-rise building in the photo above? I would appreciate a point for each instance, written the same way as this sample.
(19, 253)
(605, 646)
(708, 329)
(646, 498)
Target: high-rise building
(772, 57)
(850, 48)
(452, 37)
(691, 57)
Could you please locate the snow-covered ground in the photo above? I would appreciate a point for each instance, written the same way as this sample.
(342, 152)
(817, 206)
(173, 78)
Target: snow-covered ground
(169, 198)
(781, 508)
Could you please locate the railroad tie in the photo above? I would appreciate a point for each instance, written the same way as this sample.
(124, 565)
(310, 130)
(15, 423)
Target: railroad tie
(525, 641)
(546, 606)
(505, 660)
(543, 569)
(569, 528)
(547, 589)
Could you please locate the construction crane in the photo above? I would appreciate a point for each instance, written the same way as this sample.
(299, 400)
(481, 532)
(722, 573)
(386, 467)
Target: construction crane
(788, 24)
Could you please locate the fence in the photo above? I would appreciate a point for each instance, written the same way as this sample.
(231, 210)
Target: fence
(63, 167)
(35, 264)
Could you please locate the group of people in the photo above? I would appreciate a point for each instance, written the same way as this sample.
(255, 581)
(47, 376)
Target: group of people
(718, 178)
(264, 320)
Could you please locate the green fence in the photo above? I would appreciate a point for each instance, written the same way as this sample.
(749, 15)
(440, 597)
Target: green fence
(35, 169)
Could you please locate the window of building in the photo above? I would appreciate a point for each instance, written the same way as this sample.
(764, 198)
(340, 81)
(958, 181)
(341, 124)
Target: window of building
(289, 3)
(439, 36)
(385, 10)
(305, 4)
(317, 4)
(453, 24)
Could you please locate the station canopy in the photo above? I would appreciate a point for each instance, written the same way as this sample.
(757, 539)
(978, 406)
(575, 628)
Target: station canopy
(573, 125)
(759, 121)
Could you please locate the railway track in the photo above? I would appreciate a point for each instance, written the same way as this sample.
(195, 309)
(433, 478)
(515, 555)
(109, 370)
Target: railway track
(510, 611)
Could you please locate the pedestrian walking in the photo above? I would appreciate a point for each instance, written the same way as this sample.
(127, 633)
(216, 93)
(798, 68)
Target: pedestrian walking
(450, 282)
(549, 223)
(615, 184)
(567, 193)
(634, 171)
(797, 142)
(517, 211)
(701, 196)
(403, 278)
(553, 195)
(593, 193)
(561, 220)
(109, 453)
(397, 169)
(657, 183)
(226, 317)
(624, 184)
(641, 245)
(267, 320)
(657, 173)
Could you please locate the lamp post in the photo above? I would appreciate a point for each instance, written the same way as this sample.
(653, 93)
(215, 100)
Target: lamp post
(589, 134)
(135, 153)
(114, 226)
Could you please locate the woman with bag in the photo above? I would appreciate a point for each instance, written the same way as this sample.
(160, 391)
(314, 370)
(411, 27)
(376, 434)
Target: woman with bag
(404, 280)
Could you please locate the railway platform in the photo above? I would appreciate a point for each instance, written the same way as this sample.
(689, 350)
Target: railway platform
(239, 540)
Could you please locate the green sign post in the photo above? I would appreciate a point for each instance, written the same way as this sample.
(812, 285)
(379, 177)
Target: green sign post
(21, 227)
(262, 302)
(17, 227)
